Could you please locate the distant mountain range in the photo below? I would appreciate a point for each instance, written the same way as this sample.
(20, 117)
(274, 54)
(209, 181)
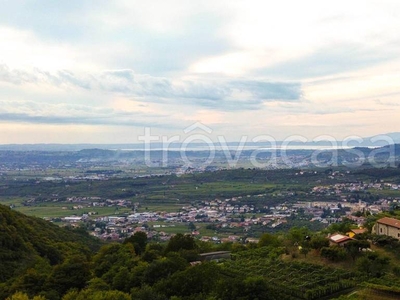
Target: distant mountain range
(373, 141)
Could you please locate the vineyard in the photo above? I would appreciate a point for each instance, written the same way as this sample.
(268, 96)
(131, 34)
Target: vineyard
(294, 280)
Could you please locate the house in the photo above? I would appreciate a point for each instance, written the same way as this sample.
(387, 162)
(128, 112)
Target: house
(354, 232)
(388, 226)
(339, 239)
(73, 219)
(252, 240)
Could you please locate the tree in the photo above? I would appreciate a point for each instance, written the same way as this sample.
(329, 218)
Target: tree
(268, 239)
(355, 247)
(111, 260)
(146, 293)
(298, 235)
(138, 240)
(342, 227)
(334, 253)
(373, 265)
(304, 251)
(180, 241)
(121, 280)
(98, 284)
(150, 255)
(32, 281)
(199, 279)
(163, 268)
(89, 294)
(318, 242)
(247, 289)
(23, 296)
(74, 272)
(238, 247)
(191, 226)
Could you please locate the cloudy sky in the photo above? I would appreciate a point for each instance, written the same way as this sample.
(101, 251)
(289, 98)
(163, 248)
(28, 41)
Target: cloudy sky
(102, 71)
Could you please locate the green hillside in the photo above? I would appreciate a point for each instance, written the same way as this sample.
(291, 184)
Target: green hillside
(26, 242)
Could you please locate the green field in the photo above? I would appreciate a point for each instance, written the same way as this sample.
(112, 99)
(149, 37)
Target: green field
(169, 193)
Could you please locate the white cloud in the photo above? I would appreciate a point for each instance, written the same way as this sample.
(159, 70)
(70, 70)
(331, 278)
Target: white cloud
(21, 48)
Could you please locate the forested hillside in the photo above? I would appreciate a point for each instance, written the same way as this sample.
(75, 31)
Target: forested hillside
(30, 248)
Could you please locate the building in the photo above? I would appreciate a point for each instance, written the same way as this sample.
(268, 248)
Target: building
(353, 232)
(339, 239)
(388, 226)
(72, 219)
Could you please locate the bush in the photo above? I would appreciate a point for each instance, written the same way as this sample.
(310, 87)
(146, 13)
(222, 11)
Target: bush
(333, 253)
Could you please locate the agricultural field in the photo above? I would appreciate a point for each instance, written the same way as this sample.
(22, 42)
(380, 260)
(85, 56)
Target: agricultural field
(251, 193)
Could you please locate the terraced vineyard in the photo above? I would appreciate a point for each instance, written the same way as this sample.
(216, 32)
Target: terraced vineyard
(295, 280)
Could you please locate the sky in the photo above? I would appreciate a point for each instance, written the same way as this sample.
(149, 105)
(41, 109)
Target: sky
(102, 71)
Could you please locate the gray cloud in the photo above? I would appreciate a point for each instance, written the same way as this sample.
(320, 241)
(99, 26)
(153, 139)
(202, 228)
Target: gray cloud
(332, 60)
(219, 94)
(16, 76)
(65, 120)
(270, 90)
(46, 113)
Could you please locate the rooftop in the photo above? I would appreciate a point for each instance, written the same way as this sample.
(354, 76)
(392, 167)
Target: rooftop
(339, 238)
(390, 222)
(359, 231)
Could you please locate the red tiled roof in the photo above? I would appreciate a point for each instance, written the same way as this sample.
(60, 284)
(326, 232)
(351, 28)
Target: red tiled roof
(390, 222)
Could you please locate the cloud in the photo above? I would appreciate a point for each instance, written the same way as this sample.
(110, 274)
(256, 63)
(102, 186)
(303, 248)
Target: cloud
(156, 39)
(71, 20)
(332, 60)
(86, 120)
(250, 66)
(16, 76)
(63, 113)
(223, 94)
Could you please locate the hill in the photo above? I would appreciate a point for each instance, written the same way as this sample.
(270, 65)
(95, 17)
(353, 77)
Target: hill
(26, 241)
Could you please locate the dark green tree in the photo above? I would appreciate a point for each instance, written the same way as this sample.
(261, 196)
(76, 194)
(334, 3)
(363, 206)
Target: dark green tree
(197, 280)
(334, 253)
(191, 226)
(354, 247)
(318, 242)
(163, 268)
(373, 264)
(74, 272)
(304, 251)
(268, 239)
(180, 242)
(138, 240)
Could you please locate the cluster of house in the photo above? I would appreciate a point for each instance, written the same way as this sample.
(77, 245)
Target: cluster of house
(384, 226)
(339, 188)
(229, 213)
(224, 213)
(234, 212)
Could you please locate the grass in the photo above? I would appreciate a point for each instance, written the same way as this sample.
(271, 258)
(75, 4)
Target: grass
(56, 211)
(170, 227)
(314, 257)
(159, 207)
(368, 294)
(385, 192)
